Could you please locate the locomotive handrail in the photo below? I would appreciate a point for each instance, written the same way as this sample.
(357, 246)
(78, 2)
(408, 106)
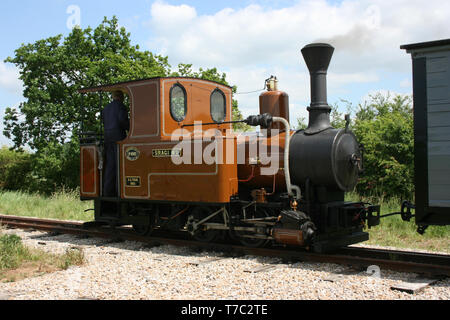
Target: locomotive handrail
(90, 137)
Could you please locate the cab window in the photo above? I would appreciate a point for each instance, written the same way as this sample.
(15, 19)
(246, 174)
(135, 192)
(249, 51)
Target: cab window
(178, 102)
(218, 106)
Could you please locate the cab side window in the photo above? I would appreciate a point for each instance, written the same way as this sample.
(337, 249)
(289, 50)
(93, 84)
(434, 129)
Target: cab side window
(218, 106)
(178, 102)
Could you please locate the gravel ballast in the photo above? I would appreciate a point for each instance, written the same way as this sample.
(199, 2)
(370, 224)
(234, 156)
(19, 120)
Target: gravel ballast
(132, 271)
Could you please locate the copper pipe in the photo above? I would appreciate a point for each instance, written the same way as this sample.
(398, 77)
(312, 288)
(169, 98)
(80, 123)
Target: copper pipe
(252, 175)
(274, 186)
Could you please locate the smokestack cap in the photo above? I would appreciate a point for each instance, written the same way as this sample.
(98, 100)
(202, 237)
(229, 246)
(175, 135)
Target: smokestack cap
(317, 56)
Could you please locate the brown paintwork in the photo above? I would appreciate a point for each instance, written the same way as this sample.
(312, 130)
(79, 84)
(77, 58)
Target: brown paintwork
(161, 179)
(89, 177)
(144, 99)
(198, 101)
(258, 180)
(275, 103)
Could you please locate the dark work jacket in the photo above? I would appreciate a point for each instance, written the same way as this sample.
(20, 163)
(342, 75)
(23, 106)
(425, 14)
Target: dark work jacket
(115, 121)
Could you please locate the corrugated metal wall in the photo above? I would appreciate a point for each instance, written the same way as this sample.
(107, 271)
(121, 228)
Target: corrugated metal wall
(438, 93)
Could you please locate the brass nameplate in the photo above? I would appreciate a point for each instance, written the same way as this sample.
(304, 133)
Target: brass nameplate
(133, 181)
(165, 153)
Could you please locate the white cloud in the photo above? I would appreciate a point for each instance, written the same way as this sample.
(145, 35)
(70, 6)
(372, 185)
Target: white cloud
(181, 14)
(10, 82)
(254, 42)
(258, 35)
(9, 79)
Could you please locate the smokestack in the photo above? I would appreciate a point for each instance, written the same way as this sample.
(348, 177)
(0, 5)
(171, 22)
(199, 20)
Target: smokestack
(317, 57)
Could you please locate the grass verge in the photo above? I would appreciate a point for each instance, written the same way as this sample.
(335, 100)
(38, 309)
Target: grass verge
(394, 232)
(60, 206)
(18, 262)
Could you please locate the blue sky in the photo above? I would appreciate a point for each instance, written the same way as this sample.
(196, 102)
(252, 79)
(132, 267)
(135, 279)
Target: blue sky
(249, 40)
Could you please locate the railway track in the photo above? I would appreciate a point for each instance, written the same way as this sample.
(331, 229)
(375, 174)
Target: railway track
(358, 258)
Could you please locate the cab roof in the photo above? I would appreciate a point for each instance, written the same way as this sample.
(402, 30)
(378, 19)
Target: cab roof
(115, 86)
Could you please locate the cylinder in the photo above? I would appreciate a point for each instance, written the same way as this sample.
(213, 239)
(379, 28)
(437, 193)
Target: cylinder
(288, 236)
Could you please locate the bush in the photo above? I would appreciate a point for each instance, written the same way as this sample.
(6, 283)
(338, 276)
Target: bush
(12, 252)
(54, 168)
(15, 169)
(384, 126)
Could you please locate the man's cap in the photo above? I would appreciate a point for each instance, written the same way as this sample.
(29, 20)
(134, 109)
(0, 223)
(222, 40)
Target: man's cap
(117, 94)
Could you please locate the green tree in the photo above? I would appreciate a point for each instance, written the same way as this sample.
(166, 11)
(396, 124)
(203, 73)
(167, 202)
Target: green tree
(301, 123)
(384, 125)
(53, 70)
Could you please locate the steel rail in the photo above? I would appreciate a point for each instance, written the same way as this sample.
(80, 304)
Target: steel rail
(356, 257)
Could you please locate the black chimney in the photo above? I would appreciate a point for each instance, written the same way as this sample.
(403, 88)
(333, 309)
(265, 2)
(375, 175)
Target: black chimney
(317, 57)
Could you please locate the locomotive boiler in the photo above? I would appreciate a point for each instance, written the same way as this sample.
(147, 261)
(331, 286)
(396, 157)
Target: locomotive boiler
(275, 186)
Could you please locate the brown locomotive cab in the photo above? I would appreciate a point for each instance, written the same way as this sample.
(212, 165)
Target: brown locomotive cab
(159, 109)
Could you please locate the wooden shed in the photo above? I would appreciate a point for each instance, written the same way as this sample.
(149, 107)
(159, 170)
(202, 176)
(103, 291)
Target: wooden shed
(431, 86)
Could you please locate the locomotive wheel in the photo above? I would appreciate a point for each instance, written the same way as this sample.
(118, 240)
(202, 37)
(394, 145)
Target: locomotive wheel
(145, 229)
(254, 243)
(142, 230)
(249, 242)
(200, 213)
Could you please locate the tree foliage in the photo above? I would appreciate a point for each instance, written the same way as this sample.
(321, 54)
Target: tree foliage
(15, 169)
(53, 70)
(384, 125)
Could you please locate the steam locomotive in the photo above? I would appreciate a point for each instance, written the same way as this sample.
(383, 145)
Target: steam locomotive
(166, 180)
